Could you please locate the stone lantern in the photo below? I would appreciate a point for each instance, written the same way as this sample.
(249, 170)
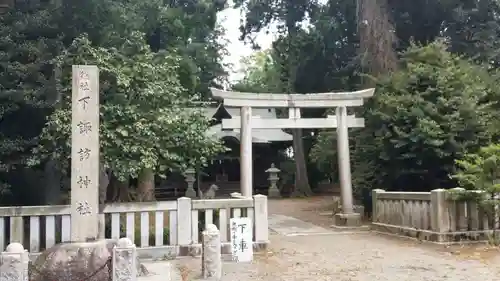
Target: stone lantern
(190, 176)
(273, 179)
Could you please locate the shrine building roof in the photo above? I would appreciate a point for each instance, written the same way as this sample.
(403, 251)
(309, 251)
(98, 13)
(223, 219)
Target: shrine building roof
(258, 135)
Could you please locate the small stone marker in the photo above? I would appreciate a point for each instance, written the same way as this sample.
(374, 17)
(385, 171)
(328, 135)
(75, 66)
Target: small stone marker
(241, 239)
(14, 263)
(211, 258)
(124, 261)
(85, 153)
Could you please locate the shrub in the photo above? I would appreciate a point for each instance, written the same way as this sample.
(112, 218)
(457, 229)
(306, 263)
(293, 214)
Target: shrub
(435, 109)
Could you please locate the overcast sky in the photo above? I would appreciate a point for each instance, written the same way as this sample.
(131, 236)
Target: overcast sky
(230, 20)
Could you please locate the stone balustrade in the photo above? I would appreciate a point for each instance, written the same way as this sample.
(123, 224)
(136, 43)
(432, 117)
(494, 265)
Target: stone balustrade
(158, 229)
(434, 216)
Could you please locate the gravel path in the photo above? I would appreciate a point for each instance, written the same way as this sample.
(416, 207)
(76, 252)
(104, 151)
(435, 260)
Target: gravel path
(351, 257)
(359, 257)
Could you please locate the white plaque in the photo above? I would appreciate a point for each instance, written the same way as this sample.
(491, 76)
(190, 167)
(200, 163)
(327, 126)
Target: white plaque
(85, 153)
(241, 239)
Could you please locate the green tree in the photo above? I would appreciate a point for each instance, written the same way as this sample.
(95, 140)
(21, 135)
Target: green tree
(33, 33)
(288, 15)
(479, 175)
(327, 59)
(423, 117)
(261, 74)
(145, 127)
(480, 170)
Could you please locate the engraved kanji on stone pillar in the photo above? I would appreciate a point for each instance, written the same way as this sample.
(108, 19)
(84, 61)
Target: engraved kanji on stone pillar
(85, 154)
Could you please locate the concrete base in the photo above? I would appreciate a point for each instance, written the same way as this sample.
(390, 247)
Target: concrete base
(274, 193)
(348, 220)
(458, 237)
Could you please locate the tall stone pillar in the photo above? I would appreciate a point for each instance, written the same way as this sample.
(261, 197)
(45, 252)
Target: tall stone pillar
(246, 165)
(346, 217)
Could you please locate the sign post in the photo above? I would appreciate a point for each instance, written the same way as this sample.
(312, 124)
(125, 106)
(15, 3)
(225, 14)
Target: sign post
(85, 153)
(241, 239)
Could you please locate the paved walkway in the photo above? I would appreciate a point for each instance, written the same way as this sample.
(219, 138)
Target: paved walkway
(290, 226)
(300, 251)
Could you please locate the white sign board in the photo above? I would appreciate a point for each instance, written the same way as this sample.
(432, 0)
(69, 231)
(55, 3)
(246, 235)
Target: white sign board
(241, 239)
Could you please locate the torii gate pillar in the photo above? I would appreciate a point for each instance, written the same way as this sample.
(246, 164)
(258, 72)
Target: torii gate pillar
(246, 165)
(294, 102)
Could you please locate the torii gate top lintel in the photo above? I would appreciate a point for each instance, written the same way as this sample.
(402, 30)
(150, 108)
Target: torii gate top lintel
(317, 100)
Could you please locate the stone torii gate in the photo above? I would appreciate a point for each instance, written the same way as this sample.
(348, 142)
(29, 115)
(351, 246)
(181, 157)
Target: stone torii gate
(294, 102)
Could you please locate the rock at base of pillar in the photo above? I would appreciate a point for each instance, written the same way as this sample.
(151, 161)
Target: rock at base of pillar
(274, 193)
(78, 261)
(348, 220)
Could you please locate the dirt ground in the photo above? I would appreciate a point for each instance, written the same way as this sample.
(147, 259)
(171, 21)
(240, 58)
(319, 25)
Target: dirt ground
(306, 209)
(351, 256)
(313, 210)
(346, 256)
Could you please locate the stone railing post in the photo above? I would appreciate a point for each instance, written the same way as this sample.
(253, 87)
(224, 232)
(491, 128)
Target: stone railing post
(261, 220)
(14, 263)
(459, 210)
(124, 261)
(439, 211)
(236, 195)
(375, 211)
(184, 224)
(211, 266)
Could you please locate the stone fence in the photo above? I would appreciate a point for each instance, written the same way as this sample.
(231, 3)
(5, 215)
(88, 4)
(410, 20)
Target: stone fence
(159, 229)
(432, 216)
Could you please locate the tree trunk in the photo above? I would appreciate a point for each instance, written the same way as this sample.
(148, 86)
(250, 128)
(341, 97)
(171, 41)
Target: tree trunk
(123, 191)
(119, 191)
(103, 190)
(52, 194)
(377, 37)
(146, 186)
(302, 187)
(103, 184)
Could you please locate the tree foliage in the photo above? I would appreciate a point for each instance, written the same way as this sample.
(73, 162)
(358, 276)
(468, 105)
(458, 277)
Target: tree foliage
(36, 40)
(261, 74)
(479, 177)
(440, 106)
(146, 120)
(481, 170)
(423, 117)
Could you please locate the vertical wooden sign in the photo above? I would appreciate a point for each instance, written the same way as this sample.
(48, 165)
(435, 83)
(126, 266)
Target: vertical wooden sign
(241, 230)
(85, 153)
